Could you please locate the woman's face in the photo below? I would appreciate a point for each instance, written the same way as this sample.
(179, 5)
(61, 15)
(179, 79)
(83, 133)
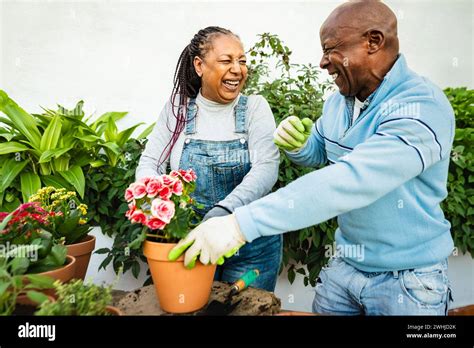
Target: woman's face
(223, 70)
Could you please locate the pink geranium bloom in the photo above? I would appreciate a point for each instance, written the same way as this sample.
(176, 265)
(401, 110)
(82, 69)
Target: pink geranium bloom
(178, 188)
(163, 210)
(169, 180)
(155, 224)
(138, 217)
(138, 190)
(154, 186)
(128, 195)
(165, 193)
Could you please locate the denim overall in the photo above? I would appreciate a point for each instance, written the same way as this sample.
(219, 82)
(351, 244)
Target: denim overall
(220, 166)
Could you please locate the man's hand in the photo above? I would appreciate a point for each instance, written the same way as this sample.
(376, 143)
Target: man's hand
(292, 133)
(213, 239)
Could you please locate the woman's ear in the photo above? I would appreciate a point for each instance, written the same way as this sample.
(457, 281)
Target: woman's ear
(198, 65)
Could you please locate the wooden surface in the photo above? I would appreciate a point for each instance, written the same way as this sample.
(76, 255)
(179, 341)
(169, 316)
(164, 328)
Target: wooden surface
(143, 301)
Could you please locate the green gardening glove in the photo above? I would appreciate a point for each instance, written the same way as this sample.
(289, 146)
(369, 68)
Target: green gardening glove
(292, 133)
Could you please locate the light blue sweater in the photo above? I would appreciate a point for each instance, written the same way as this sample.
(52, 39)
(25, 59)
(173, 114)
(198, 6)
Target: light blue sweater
(385, 180)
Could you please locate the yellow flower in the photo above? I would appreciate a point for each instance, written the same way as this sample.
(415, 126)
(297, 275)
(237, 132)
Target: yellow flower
(82, 221)
(83, 209)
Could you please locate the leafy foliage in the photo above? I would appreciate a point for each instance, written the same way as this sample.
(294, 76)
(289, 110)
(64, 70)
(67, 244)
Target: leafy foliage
(77, 298)
(105, 187)
(459, 205)
(296, 90)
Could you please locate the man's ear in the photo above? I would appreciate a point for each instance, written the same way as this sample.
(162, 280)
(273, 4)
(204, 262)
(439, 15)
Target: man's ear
(376, 40)
(198, 65)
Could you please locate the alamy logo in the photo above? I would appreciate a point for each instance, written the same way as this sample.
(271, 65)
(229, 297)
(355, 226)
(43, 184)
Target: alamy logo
(37, 331)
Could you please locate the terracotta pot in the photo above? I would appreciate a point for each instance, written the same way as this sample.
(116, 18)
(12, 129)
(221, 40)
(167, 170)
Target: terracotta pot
(64, 273)
(179, 290)
(82, 252)
(114, 311)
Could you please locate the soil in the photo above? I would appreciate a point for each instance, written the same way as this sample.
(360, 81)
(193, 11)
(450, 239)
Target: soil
(143, 301)
(24, 310)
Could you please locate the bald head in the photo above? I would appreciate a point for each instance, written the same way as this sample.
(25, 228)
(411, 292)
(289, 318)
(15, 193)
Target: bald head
(360, 45)
(361, 17)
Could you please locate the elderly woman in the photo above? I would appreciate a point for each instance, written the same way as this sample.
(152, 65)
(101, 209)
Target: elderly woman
(225, 136)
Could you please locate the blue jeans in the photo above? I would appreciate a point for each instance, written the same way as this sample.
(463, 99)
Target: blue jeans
(344, 290)
(264, 254)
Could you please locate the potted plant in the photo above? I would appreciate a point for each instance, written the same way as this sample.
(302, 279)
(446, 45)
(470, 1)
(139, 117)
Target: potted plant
(18, 297)
(163, 205)
(77, 298)
(23, 234)
(68, 225)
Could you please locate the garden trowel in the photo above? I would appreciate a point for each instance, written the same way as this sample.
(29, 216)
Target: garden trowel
(226, 307)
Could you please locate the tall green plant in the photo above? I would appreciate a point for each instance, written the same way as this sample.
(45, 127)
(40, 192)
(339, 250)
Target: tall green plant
(54, 148)
(292, 89)
(459, 205)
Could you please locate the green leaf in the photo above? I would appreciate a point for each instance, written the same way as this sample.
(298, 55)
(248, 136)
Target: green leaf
(20, 119)
(10, 171)
(75, 177)
(37, 297)
(55, 181)
(40, 281)
(12, 146)
(30, 184)
(48, 154)
(113, 147)
(146, 132)
(124, 135)
(19, 265)
(51, 135)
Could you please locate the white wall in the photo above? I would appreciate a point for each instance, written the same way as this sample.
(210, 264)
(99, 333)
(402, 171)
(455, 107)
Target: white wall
(121, 55)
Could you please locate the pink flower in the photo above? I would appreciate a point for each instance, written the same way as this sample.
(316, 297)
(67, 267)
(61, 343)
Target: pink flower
(169, 180)
(145, 180)
(154, 186)
(193, 174)
(128, 194)
(131, 209)
(165, 193)
(155, 224)
(138, 217)
(187, 177)
(175, 173)
(178, 188)
(138, 190)
(163, 210)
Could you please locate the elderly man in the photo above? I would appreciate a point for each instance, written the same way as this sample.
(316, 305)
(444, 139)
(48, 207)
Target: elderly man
(386, 135)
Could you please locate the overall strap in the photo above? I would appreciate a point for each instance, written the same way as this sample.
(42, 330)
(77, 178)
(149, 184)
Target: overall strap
(191, 117)
(240, 115)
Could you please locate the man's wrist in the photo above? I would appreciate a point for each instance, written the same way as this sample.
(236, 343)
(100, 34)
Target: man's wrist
(223, 207)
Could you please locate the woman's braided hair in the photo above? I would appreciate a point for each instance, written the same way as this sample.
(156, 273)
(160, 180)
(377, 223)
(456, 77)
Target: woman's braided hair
(186, 82)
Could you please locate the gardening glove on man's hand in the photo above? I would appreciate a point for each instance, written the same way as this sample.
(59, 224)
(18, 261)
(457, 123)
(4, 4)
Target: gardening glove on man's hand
(292, 133)
(213, 239)
(214, 212)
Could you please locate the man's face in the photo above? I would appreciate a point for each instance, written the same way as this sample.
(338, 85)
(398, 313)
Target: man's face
(345, 58)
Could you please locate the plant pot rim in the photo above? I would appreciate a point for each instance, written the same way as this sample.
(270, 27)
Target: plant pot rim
(114, 310)
(87, 239)
(70, 262)
(159, 251)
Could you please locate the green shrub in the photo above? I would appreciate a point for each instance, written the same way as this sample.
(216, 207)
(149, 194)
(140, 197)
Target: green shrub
(296, 90)
(458, 206)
